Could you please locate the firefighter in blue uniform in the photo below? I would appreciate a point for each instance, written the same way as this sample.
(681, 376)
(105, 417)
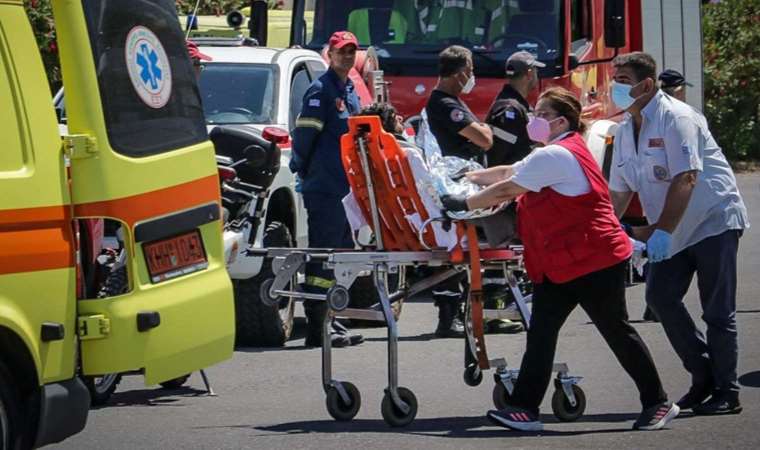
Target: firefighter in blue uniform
(328, 103)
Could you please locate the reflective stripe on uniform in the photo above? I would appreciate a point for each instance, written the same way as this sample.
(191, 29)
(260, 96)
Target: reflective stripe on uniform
(504, 135)
(310, 123)
(319, 282)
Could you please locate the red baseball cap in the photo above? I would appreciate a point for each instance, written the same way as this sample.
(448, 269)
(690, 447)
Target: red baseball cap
(340, 39)
(192, 50)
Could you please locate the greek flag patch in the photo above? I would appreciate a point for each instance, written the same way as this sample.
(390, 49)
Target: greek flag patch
(509, 114)
(314, 102)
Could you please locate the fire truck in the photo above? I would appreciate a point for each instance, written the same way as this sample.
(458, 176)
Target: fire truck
(576, 39)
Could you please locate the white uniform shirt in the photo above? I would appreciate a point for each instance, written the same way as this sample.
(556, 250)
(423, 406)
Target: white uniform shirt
(551, 166)
(674, 138)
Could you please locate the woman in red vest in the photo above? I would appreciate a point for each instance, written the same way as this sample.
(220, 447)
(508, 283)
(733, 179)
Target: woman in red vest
(575, 253)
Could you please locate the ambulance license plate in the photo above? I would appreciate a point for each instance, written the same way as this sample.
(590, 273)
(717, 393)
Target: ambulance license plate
(176, 256)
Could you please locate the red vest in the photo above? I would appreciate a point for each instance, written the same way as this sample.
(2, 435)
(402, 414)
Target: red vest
(568, 237)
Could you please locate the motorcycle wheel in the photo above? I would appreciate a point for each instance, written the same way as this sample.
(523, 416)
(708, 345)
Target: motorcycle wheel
(259, 325)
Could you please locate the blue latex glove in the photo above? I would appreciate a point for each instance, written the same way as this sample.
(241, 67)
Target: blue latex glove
(658, 246)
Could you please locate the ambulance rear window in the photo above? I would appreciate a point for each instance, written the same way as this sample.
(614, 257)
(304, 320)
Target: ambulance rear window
(147, 84)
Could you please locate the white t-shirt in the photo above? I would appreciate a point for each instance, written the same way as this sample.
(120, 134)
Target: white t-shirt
(551, 166)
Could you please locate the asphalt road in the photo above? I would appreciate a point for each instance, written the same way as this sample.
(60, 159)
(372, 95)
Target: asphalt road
(273, 398)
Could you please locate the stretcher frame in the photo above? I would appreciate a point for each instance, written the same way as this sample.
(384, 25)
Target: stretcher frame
(399, 404)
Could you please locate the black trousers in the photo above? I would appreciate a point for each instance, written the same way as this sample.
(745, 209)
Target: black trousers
(602, 295)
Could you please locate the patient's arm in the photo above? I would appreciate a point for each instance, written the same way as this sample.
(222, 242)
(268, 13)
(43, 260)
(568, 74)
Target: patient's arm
(495, 194)
(487, 177)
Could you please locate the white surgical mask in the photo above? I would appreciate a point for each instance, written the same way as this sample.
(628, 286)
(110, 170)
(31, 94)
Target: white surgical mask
(469, 85)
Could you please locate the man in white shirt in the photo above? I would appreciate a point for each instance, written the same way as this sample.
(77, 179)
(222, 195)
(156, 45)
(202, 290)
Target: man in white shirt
(665, 152)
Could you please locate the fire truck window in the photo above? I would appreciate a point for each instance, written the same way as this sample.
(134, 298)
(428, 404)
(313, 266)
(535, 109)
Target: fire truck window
(147, 84)
(580, 29)
(300, 84)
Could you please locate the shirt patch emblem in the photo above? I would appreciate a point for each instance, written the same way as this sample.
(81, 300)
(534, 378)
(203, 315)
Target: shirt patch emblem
(660, 173)
(509, 114)
(656, 142)
(685, 150)
(457, 115)
(340, 105)
(314, 102)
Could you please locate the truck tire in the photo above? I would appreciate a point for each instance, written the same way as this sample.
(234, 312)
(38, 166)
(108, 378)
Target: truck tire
(259, 325)
(12, 426)
(363, 295)
(175, 383)
(101, 388)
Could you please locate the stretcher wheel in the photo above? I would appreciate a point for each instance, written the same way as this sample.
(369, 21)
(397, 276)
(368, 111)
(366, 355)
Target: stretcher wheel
(338, 298)
(501, 396)
(473, 376)
(337, 408)
(392, 415)
(265, 296)
(562, 408)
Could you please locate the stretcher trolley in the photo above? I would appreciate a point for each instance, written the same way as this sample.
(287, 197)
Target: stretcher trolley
(384, 191)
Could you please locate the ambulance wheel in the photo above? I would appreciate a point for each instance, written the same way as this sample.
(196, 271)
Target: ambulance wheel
(562, 408)
(340, 410)
(175, 383)
(12, 423)
(473, 376)
(101, 388)
(501, 396)
(392, 415)
(256, 324)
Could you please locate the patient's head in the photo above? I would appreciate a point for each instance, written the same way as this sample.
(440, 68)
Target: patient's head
(389, 117)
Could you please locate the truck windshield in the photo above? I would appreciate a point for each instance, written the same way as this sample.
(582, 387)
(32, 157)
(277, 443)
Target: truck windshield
(238, 93)
(409, 33)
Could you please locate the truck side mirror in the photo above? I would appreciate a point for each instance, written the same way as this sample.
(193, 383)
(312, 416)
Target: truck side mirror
(259, 21)
(614, 23)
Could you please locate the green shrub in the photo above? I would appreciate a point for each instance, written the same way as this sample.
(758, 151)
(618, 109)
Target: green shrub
(731, 33)
(40, 14)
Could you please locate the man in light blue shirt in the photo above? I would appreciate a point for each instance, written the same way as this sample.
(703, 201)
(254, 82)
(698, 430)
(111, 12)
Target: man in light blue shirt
(665, 152)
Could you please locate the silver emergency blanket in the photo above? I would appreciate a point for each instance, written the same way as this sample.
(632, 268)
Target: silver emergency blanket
(446, 175)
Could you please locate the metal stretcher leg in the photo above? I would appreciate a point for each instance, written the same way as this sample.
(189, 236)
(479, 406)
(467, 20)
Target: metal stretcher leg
(399, 405)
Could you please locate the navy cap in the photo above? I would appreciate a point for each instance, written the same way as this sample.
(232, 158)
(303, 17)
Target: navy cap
(672, 78)
(519, 62)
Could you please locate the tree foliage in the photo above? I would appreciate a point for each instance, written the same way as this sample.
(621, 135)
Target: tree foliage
(40, 13)
(731, 33)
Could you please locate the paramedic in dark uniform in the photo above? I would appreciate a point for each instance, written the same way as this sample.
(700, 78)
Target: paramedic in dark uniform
(580, 259)
(316, 160)
(508, 117)
(459, 133)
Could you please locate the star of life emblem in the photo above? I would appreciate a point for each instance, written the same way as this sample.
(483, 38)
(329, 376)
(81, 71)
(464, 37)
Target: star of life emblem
(148, 67)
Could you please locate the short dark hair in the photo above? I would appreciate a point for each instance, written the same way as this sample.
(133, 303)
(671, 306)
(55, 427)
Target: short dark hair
(453, 59)
(385, 111)
(642, 64)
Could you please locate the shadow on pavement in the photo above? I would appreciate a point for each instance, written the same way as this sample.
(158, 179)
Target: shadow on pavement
(152, 397)
(750, 379)
(451, 427)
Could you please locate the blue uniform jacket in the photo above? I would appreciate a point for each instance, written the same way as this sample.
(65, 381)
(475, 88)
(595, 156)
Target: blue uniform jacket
(316, 139)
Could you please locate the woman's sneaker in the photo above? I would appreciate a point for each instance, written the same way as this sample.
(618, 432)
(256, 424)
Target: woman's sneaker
(657, 416)
(516, 419)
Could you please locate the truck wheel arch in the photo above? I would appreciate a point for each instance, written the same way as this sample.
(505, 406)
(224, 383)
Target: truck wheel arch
(15, 355)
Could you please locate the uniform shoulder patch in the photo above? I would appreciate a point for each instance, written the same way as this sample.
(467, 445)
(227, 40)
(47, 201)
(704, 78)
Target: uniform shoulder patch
(314, 102)
(509, 114)
(457, 115)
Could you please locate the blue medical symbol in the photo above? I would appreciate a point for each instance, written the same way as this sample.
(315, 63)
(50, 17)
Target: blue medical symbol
(147, 59)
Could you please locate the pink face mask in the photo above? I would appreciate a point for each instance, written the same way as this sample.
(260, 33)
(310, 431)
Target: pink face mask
(539, 129)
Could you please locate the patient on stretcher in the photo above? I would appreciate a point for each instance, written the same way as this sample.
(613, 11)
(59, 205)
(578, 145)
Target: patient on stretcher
(433, 179)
